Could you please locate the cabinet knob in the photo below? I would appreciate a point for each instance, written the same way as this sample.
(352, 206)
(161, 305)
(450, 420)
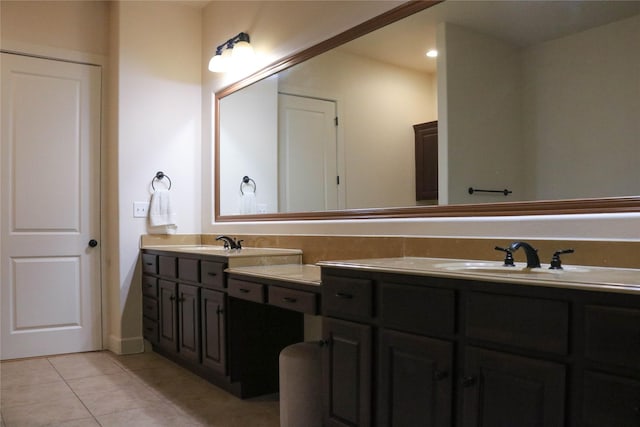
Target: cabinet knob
(440, 375)
(469, 381)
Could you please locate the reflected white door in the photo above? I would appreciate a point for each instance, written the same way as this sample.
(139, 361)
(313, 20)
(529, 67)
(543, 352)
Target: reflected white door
(308, 155)
(50, 201)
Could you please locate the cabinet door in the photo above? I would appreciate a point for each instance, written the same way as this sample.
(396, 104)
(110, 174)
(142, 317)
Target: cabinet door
(189, 322)
(426, 154)
(168, 320)
(414, 380)
(500, 389)
(213, 330)
(347, 373)
(610, 401)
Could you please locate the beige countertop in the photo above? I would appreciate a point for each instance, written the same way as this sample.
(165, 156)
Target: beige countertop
(298, 273)
(236, 258)
(619, 280)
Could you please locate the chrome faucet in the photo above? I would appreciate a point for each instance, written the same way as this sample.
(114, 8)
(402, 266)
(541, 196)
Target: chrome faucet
(533, 261)
(230, 243)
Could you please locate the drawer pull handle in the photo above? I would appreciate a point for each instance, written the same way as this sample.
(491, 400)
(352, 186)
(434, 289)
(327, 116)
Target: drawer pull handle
(149, 285)
(148, 329)
(244, 291)
(171, 298)
(148, 263)
(212, 273)
(219, 311)
(289, 299)
(344, 295)
(468, 381)
(149, 307)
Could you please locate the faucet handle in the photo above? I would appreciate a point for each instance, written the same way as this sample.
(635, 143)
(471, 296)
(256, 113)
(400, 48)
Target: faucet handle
(508, 258)
(239, 244)
(556, 263)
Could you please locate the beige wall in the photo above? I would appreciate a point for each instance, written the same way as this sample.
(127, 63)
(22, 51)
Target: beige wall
(378, 154)
(80, 26)
(158, 129)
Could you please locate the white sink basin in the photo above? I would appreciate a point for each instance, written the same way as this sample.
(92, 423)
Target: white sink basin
(495, 267)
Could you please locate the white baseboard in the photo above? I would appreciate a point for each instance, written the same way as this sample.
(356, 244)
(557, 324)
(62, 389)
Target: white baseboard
(126, 345)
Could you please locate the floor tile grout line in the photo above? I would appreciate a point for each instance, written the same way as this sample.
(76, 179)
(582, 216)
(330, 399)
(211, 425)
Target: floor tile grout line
(76, 394)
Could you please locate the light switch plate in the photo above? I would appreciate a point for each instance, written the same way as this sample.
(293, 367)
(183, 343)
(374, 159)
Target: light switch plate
(140, 209)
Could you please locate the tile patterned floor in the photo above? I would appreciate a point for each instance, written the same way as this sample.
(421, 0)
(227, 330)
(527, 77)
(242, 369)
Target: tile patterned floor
(103, 389)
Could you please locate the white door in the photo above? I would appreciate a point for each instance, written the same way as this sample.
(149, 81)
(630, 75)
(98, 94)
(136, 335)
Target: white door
(308, 155)
(50, 207)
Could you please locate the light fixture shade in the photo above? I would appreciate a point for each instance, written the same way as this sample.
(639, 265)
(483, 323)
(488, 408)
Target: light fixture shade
(216, 64)
(242, 51)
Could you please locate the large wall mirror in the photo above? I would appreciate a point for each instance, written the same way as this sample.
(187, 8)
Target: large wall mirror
(530, 107)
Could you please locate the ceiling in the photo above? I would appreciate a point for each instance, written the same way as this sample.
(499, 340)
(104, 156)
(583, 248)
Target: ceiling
(524, 23)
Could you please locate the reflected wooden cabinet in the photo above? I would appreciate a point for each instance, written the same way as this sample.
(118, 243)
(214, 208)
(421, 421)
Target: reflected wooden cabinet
(426, 155)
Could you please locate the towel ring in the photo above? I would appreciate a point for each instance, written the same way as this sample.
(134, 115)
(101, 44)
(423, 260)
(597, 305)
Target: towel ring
(247, 180)
(160, 176)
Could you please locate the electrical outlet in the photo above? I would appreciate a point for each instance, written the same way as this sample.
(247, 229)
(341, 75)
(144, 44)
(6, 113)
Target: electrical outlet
(140, 209)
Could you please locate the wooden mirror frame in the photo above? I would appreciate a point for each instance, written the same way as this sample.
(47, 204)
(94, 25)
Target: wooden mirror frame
(544, 207)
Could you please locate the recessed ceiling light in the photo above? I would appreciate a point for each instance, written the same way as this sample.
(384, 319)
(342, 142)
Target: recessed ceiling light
(432, 53)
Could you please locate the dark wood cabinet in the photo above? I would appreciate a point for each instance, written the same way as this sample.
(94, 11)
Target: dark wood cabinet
(189, 322)
(610, 400)
(454, 352)
(348, 369)
(501, 389)
(426, 152)
(168, 315)
(223, 329)
(214, 351)
(415, 375)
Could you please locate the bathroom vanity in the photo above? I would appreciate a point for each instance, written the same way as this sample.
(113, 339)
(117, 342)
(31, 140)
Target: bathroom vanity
(223, 327)
(460, 343)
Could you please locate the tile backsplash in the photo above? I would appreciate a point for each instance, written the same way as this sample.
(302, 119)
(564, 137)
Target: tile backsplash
(317, 248)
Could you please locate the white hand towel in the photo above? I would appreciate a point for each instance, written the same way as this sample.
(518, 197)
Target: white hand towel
(160, 210)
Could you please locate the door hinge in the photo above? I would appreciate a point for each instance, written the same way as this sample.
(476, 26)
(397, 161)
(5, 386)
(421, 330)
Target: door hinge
(336, 120)
(338, 179)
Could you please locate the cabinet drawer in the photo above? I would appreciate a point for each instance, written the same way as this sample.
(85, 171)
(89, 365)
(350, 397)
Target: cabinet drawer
(247, 290)
(610, 401)
(150, 330)
(150, 308)
(150, 286)
(612, 335)
(347, 297)
(212, 274)
(418, 309)
(149, 264)
(305, 302)
(529, 323)
(189, 269)
(167, 266)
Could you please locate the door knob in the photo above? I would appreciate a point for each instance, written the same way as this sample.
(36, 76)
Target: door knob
(93, 243)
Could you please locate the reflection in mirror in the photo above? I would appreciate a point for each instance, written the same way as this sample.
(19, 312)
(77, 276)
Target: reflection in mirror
(540, 98)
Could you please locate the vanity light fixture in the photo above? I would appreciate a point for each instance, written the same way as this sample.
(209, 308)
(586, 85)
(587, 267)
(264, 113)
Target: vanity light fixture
(432, 53)
(235, 51)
